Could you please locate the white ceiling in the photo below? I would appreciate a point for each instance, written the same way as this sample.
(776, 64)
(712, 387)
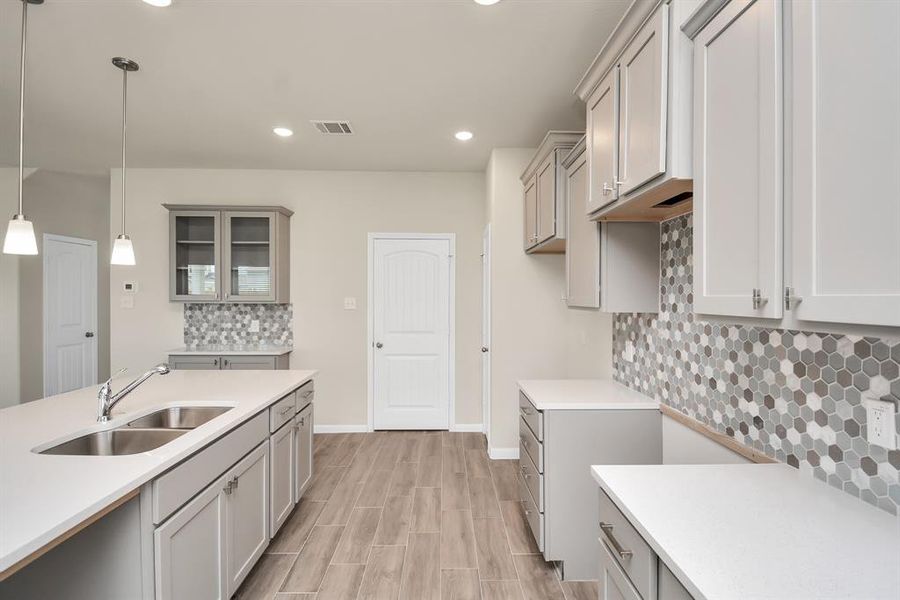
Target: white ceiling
(216, 75)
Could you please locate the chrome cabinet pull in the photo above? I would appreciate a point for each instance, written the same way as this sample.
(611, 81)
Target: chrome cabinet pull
(302, 421)
(607, 529)
(285, 410)
(236, 482)
(619, 183)
(215, 362)
(758, 300)
(607, 189)
(791, 300)
(227, 488)
(527, 411)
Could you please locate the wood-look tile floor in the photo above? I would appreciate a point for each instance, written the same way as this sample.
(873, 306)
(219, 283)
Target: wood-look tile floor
(407, 515)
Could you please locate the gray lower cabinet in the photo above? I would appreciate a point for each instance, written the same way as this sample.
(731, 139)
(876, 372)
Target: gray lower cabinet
(629, 568)
(230, 362)
(291, 449)
(303, 451)
(281, 492)
(559, 496)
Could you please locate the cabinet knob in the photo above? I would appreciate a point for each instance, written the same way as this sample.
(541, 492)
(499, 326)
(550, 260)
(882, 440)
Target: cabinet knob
(484, 348)
(215, 362)
(88, 334)
(379, 345)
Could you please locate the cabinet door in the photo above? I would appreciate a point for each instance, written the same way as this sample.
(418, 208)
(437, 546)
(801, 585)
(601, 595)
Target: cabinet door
(614, 584)
(602, 143)
(244, 363)
(531, 212)
(643, 73)
(582, 241)
(281, 476)
(195, 362)
(738, 162)
(194, 256)
(190, 549)
(249, 256)
(845, 155)
(246, 514)
(546, 199)
(304, 451)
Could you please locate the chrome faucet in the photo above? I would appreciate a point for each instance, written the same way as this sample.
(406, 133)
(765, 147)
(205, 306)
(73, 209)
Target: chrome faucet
(107, 400)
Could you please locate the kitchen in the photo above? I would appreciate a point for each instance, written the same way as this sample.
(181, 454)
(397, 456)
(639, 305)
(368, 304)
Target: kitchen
(623, 322)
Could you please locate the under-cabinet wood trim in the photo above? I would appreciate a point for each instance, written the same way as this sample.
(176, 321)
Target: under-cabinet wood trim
(26, 560)
(720, 438)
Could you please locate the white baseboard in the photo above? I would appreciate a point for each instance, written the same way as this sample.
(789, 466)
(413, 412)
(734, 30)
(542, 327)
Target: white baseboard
(503, 453)
(317, 428)
(477, 427)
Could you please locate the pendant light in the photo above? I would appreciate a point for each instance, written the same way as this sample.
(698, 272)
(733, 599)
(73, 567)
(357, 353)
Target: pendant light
(20, 232)
(123, 250)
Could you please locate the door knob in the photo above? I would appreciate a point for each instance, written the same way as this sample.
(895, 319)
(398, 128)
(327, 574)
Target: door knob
(379, 345)
(484, 348)
(89, 334)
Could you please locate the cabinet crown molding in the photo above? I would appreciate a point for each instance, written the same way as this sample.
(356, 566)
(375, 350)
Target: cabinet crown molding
(701, 16)
(231, 208)
(628, 26)
(553, 140)
(575, 152)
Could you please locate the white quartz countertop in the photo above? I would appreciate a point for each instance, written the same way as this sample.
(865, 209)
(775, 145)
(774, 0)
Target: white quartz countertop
(43, 496)
(758, 531)
(235, 350)
(583, 394)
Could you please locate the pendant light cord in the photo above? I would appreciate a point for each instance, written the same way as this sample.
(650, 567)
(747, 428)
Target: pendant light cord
(22, 105)
(124, 127)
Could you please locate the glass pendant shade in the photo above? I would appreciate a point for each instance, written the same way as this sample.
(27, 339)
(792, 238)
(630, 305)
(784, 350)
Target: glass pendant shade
(123, 251)
(20, 237)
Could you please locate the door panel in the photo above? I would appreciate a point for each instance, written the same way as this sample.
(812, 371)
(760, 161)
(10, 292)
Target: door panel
(737, 162)
(70, 304)
(546, 199)
(195, 255)
(411, 286)
(247, 529)
(249, 256)
(531, 212)
(846, 152)
(303, 449)
(281, 477)
(642, 118)
(582, 243)
(602, 143)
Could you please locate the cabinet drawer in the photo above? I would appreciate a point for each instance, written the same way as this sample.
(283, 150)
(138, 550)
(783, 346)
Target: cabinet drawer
(282, 412)
(532, 416)
(305, 395)
(534, 481)
(532, 515)
(178, 485)
(614, 584)
(617, 534)
(532, 447)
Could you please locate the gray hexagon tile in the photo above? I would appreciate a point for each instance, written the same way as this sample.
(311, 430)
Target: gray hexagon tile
(795, 395)
(229, 324)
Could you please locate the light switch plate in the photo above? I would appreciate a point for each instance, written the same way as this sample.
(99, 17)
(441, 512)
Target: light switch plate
(254, 326)
(349, 303)
(880, 415)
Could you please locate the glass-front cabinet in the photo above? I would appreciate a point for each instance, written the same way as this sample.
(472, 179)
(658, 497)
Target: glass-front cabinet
(229, 254)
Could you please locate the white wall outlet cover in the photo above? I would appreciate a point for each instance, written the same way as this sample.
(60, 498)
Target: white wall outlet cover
(254, 326)
(349, 303)
(126, 302)
(628, 355)
(880, 419)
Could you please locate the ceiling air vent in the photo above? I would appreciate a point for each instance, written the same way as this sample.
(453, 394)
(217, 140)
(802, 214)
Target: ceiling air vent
(333, 127)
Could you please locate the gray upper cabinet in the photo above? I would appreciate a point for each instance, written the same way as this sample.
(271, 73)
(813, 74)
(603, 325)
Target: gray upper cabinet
(638, 109)
(544, 196)
(229, 254)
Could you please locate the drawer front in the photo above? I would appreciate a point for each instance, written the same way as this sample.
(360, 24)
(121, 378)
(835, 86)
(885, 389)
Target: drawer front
(532, 515)
(534, 481)
(619, 537)
(532, 416)
(532, 447)
(614, 584)
(181, 483)
(305, 395)
(282, 411)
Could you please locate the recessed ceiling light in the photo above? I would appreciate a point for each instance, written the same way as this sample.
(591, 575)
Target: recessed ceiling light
(282, 131)
(481, 2)
(463, 136)
(159, 3)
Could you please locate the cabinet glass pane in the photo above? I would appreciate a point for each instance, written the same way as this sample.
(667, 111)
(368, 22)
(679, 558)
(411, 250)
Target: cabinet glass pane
(195, 255)
(251, 272)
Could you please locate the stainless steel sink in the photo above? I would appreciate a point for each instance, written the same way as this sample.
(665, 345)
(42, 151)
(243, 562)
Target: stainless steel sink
(179, 417)
(116, 442)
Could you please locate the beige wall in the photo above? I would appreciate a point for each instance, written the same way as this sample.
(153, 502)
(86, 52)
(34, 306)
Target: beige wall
(533, 333)
(334, 211)
(73, 205)
(9, 295)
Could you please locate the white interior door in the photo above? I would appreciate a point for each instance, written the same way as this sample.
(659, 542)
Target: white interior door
(70, 314)
(486, 332)
(411, 333)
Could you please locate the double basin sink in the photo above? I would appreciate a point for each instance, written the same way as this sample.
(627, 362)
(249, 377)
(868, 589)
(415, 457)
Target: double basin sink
(142, 434)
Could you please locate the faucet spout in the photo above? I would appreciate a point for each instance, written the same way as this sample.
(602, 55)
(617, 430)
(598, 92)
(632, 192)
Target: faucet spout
(107, 400)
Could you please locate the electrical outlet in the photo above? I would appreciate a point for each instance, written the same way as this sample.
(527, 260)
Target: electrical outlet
(628, 355)
(254, 326)
(349, 303)
(880, 416)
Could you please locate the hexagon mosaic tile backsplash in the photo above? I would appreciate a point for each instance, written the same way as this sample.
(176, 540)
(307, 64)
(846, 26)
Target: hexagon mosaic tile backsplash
(795, 395)
(229, 324)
